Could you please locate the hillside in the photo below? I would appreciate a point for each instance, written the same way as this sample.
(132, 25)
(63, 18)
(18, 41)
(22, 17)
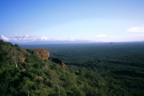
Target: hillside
(24, 73)
(118, 67)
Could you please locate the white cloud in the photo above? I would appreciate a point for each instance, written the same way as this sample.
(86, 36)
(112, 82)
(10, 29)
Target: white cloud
(4, 38)
(23, 38)
(43, 38)
(101, 35)
(136, 29)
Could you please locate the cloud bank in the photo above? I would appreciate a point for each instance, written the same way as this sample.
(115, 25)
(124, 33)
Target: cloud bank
(4, 38)
(45, 39)
(136, 29)
(27, 38)
(23, 38)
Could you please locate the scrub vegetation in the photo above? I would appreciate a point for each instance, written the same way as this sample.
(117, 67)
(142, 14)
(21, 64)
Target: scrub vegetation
(91, 70)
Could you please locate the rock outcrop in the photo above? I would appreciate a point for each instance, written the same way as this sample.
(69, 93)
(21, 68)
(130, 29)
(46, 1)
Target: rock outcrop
(63, 65)
(22, 59)
(44, 54)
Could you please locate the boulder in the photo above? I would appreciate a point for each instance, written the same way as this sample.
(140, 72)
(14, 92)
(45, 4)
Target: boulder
(44, 54)
(22, 59)
(63, 64)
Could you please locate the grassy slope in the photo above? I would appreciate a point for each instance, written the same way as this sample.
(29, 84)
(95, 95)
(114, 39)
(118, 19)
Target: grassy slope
(42, 78)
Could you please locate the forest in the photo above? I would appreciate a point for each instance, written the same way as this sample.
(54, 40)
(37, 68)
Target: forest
(120, 65)
(96, 69)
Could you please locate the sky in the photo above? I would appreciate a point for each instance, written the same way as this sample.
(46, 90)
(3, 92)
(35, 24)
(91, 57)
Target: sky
(72, 20)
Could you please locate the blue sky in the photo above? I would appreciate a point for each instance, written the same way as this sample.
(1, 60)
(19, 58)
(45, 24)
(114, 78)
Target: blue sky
(72, 20)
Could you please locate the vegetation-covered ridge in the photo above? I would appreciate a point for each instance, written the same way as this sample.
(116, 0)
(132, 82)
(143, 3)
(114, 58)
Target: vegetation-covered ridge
(118, 67)
(24, 73)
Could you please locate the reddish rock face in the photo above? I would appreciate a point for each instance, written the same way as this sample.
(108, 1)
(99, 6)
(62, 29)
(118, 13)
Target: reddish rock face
(63, 65)
(22, 59)
(44, 54)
